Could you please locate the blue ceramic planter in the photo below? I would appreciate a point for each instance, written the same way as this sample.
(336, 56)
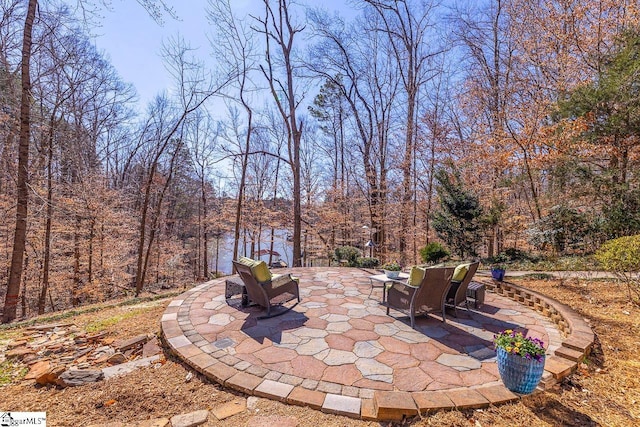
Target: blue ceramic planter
(497, 273)
(519, 374)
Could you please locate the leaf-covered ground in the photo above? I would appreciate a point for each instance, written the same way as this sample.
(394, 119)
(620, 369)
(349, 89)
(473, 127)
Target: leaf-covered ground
(605, 391)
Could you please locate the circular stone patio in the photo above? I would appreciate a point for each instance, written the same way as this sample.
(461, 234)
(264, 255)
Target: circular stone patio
(338, 350)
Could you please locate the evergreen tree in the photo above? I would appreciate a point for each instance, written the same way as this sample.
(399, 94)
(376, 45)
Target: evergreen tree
(610, 110)
(457, 222)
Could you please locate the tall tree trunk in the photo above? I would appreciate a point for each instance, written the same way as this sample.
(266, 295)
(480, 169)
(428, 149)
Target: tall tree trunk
(24, 287)
(20, 236)
(92, 234)
(205, 230)
(76, 263)
(143, 260)
(275, 197)
(407, 172)
(243, 179)
(42, 299)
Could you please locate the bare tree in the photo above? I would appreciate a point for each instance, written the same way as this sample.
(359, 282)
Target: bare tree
(279, 29)
(236, 52)
(20, 235)
(407, 24)
(361, 69)
(194, 87)
(490, 50)
(202, 139)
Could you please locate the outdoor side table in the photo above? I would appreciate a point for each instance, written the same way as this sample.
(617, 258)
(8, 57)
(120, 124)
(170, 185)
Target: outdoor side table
(475, 292)
(383, 281)
(234, 286)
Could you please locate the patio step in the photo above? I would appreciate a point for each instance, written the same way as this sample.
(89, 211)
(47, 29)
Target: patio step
(394, 405)
(577, 343)
(569, 353)
(559, 367)
(547, 381)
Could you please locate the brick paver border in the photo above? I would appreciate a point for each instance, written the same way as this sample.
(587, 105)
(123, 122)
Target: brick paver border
(180, 337)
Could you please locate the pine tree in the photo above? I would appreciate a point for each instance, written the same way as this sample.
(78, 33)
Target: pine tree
(457, 222)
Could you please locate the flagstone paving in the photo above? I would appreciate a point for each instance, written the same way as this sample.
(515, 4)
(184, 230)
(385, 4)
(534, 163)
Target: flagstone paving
(338, 349)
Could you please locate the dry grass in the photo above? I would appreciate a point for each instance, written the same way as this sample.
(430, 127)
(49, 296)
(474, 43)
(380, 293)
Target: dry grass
(605, 391)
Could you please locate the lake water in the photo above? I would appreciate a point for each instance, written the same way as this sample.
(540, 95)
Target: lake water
(225, 250)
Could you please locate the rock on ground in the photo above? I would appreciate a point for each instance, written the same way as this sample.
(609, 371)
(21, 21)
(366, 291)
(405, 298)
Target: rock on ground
(191, 419)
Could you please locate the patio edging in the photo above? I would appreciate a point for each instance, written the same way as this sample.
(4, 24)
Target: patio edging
(183, 341)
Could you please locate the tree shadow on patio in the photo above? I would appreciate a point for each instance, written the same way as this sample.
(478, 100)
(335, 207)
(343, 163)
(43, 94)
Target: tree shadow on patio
(470, 333)
(272, 327)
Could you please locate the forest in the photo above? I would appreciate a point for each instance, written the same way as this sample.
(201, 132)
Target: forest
(487, 126)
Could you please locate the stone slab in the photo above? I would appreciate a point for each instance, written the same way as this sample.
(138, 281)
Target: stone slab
(202, 361)
(76, 377)
(229, 409)
(569, 353)
(125, 368)
(38, 369)
(394, 405)
(243, 382)
(368, 410)
(558, 366)
(432, 401)
(179, 341)
(190, 419)
(497, 394)
(151, 348)
(124, 345)
(157, 422)
(273, 390)
(305, 397)
(578, 343)
(467, 399)
(220, 372)
(342, 405)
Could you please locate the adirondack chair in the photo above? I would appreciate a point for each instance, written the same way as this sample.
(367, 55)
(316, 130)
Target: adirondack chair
(428, 297)
(262, 292)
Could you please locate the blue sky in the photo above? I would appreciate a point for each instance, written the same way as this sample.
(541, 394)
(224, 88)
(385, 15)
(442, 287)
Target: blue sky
(132, 40)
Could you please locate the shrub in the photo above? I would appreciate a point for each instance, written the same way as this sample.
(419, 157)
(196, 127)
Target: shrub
(622, 257)
(368, 262)
(514, 254)
(349, 254)
(433, 252)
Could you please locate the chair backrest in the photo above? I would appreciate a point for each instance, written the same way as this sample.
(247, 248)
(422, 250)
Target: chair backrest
(433, 289)
(256, 294)
(461, 293)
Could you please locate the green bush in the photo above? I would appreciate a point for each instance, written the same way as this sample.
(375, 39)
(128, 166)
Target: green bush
(514, 254)
(433, 252)
(368, 262)
(622, 257)
(349, 254)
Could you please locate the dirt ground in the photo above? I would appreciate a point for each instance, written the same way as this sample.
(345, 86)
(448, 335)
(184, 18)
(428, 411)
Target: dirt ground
(605, 391)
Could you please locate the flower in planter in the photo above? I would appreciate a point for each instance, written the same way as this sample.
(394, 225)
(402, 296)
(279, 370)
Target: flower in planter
(392, 266)
(516, 343)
